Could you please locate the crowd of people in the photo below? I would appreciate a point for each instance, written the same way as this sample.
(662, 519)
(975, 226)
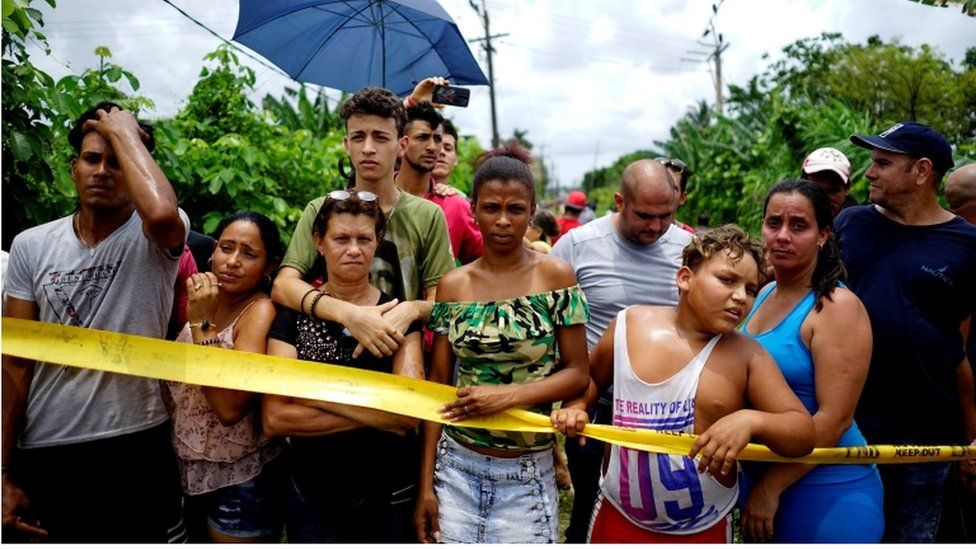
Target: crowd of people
(843, 325)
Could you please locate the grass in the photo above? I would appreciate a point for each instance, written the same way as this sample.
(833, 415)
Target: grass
(565, 509)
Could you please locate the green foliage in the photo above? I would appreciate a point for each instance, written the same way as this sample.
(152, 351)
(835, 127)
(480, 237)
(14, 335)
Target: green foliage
(468, 150)
(223, 155)
(37, 113)
(968, 6)
(821, 92)
(610, 175)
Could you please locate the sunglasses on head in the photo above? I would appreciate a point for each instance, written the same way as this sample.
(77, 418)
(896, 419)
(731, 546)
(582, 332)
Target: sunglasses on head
(673, 163)
(341, 194)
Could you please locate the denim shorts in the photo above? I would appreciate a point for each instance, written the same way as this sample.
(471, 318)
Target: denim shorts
(486, 499)
(251, 509)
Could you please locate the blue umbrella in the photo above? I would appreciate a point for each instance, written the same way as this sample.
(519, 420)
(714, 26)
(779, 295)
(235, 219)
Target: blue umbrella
(348, 44)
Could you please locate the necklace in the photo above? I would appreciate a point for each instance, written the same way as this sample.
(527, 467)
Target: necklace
(76, 222)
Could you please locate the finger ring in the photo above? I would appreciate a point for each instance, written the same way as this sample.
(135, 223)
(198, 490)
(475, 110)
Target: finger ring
(197, 286)
(465, 408)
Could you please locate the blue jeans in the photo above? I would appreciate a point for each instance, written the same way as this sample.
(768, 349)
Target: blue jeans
(348, 515)
(585, 463)
(485, 499)
(912, 501)
(912, 494)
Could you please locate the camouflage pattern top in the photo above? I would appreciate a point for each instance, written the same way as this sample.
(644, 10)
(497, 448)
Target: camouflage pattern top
(507, 342)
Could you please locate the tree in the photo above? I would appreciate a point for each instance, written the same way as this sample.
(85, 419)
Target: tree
(817, 95)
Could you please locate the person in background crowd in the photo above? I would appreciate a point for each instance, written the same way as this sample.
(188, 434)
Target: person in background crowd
(627, 258)
(588, 214)
(353, 469)
(687, 369)
(958, 522)
(913, 265)
(681, 175)
(420, 149)
(448, 158)
(232, 491)
(702, 222)
(177, 317)
(575, 203)
(541, 231)
(502, 317)
(820, 336)
(960, 192)
(86, 453)
(831, 170)
(414, 253)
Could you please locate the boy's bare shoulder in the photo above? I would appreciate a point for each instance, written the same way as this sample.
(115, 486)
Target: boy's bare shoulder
(651, 313)
(740, 346)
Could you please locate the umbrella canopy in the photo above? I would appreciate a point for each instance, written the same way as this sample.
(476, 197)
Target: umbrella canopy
(348, 44)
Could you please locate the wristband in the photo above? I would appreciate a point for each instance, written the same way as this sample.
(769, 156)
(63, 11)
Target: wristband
(315, 301)
(301, 304)
(409, 101)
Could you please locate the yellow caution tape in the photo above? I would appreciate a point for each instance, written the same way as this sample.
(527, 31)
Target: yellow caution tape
(215, 367)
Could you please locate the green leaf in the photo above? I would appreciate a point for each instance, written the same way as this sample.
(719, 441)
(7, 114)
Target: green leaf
(113, 73)
(215, 184)
(133, 81)
(210, 222)
(20, 145)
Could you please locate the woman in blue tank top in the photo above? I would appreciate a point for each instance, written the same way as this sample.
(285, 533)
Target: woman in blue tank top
(820, 335)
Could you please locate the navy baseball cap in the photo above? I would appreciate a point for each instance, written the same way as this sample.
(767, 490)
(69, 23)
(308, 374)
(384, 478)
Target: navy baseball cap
(915, 140)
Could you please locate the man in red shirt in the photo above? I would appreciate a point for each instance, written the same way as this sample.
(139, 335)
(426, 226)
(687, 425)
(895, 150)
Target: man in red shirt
(420, 148)
(575, 203)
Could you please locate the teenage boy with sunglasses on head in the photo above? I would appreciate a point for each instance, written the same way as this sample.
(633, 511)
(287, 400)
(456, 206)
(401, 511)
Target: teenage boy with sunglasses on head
(415, 251)
(680, 174)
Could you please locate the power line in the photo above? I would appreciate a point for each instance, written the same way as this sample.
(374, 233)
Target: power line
(236, 47)
(224, 40)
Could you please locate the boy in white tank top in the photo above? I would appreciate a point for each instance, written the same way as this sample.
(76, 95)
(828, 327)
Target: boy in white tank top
(687, 369)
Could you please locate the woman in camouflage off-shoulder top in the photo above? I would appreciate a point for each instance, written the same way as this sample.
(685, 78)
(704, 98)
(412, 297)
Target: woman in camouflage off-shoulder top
(513, 322)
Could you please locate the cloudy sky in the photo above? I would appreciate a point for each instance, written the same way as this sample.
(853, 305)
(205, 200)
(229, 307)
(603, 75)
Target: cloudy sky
(589, 80)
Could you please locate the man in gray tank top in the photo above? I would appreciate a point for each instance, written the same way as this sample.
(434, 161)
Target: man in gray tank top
(86, 454)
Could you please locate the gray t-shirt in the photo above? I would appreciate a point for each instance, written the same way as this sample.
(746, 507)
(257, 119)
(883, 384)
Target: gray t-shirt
(615, 273)
(124, 284)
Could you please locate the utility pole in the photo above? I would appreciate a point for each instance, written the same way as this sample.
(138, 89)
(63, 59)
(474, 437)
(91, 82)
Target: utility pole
(718, 46)
(483, 12)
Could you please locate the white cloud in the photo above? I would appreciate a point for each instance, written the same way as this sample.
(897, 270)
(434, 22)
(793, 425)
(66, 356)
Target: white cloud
(588, 80)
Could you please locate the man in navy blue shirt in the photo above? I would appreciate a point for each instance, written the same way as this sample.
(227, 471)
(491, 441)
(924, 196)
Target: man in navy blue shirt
(913, 265)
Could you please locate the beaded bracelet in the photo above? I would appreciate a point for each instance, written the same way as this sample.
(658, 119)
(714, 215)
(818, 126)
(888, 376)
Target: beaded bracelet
(210, 341)
(301, 304)
(315, 301)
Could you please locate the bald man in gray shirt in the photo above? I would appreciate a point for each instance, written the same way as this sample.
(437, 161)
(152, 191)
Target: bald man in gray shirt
(627, 258)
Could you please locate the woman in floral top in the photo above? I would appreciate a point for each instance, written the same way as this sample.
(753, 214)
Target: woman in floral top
(502, 317)
(233, 492)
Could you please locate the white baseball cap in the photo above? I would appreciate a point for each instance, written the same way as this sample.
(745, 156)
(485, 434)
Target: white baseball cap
(828, 158)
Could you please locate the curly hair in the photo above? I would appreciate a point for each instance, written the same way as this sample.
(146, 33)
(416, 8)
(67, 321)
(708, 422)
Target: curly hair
(375, 101)
(830, 270)
(508, 163)
(729, 238)
(77, 133)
